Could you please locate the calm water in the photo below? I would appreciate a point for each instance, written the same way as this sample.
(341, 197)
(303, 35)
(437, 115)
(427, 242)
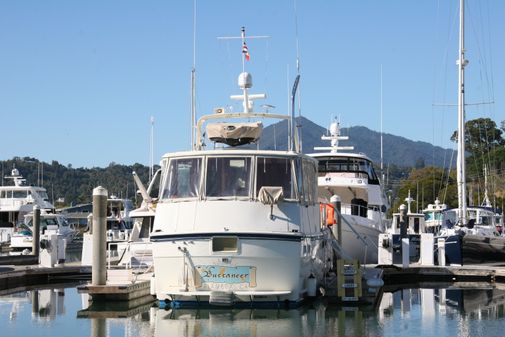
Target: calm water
(54, 311)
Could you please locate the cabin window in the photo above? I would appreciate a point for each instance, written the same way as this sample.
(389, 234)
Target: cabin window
(20, 194)
(224, 244)
(228, 176)
(275, 172)
(183, 178)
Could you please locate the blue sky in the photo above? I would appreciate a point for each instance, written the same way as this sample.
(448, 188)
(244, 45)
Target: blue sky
(79, 80)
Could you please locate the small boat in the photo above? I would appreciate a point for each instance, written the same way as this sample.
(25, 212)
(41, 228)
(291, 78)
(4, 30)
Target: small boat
(119, 222)
(137, 251)
(22, 239)
(433, 216)
(416, 221)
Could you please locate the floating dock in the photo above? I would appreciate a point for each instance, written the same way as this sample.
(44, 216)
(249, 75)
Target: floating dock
(12, 276)
(394, 274)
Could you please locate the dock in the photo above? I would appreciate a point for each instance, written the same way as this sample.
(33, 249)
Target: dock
(14, 276)
(394, 274)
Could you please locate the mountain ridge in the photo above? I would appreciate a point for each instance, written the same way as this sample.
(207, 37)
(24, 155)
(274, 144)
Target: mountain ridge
(398, 150)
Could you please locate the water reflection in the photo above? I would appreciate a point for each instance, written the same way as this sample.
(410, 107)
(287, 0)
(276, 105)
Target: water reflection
(421, 312)
(45, 304)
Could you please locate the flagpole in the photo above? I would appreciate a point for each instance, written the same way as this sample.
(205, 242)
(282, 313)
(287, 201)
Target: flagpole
(243, 45)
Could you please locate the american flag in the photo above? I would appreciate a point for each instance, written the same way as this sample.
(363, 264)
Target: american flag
(246, 52)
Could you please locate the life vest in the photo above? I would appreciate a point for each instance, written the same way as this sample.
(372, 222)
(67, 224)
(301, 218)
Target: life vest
(330, 213)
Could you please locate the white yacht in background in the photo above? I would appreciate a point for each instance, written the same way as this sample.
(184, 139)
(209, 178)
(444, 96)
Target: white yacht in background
(18, 200)
(236, 225)
(352, 178)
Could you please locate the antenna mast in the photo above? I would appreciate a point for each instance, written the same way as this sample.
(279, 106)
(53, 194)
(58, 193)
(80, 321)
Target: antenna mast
(299, 123)
(382, 144)
(151, 150)
(193, 82)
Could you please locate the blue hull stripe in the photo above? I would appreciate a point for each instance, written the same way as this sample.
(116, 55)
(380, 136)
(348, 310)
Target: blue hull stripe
(249, 236)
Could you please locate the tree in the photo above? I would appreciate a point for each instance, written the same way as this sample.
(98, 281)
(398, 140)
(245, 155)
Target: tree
(481, 136)
(420, 163)
(485, 148)
(427, 184)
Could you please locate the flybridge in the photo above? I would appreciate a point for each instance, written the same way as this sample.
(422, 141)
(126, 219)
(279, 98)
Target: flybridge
(239, 133)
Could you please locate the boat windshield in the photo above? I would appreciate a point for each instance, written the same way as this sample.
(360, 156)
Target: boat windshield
(43, 195)
(182, 179)
(429, 216)
(228, 176)
(275, 172)
(233, 176)
(44, 222)
(347, 164)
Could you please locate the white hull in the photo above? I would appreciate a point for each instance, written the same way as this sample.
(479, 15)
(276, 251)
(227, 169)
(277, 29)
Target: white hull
(267, 267)
(354, 246)
(21, 242)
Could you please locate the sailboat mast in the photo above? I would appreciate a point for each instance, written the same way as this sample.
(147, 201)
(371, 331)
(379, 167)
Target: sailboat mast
(461, 172)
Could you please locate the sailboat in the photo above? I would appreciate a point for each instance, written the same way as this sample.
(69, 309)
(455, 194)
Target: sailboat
(469, 231)
(235, 225)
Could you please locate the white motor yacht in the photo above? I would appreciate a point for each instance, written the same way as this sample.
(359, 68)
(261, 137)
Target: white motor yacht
(18, 200)
(352, 178)
(237, 225)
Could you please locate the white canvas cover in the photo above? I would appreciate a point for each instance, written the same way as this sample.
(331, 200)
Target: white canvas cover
(234, 134)
(269, 195)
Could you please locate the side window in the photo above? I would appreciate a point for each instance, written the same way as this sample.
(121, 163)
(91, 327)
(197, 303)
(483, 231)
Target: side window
(309, 181)
(182, 179)
(275, 172)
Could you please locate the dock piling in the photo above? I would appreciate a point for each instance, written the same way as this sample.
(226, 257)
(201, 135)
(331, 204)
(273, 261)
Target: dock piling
(98, 271)
(36, 231)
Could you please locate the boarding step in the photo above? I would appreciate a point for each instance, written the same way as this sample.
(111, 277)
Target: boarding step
(349, 285)
(349, 280)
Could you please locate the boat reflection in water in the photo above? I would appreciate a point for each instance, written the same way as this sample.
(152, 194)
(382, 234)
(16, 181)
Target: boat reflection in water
(46, 304)
(420, 312)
